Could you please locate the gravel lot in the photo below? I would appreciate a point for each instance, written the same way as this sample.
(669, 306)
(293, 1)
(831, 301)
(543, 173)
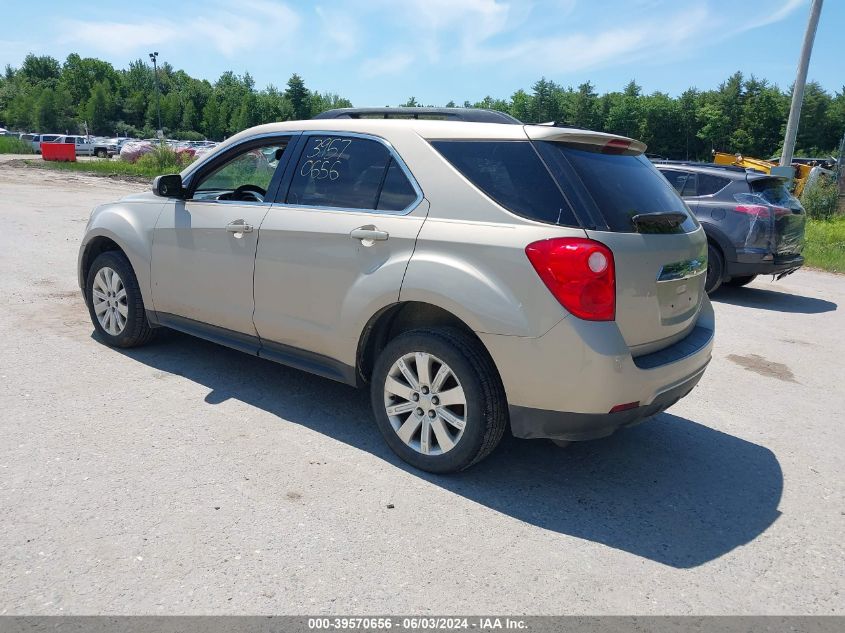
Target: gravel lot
(187, 478)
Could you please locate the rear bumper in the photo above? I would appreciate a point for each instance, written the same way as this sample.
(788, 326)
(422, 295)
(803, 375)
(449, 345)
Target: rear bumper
(564, 384)
(541, 423)
(760, 264)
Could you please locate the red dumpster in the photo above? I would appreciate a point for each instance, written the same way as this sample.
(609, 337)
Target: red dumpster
(58, 151)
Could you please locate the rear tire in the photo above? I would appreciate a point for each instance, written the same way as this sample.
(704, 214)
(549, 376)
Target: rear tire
(715, 268)
(407, 379)
(101, 153)
(114, 302)
(741, 281)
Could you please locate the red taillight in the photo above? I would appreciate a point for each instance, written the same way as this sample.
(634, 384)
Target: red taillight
(579, 273)
(616, 146)
(753, 209)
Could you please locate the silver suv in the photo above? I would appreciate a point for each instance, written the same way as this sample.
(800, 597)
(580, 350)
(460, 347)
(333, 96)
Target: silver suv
(473, 271)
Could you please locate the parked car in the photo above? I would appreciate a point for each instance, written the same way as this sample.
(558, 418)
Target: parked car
(44, 138)
(754, 226)
(87, 146)
(474, 272)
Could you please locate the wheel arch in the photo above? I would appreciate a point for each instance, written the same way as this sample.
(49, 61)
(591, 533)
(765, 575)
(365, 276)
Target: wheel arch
(399, 317)
(718, 238)
(101, 240)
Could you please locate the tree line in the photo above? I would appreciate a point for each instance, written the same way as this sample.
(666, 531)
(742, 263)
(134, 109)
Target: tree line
(744, 114)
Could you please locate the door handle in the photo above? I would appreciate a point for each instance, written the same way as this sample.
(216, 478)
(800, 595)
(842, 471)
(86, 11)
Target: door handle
(369, 234)
(239, 226)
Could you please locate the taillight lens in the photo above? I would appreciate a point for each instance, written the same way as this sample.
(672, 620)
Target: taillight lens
(753, 209)
(579, 273)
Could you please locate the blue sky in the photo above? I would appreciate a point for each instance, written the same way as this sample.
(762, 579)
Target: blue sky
(380, 52)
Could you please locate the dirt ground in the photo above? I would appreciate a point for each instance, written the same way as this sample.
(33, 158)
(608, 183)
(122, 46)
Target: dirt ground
(187, 478)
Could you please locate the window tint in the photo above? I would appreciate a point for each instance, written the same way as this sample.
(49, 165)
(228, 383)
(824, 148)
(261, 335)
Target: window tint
(690, 186)
(252, 169)
(709, 184)
(676, 178)
(397, 192)
(512, 174)
(620, 185)
(338, 171)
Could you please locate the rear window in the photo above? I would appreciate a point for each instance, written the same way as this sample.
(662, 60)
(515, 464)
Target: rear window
(512, 174)
(773, 191)
(620, 185)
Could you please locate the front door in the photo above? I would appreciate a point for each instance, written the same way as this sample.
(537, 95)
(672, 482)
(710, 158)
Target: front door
(204, 247)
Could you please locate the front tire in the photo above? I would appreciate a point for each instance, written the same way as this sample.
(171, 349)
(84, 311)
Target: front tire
(114, 302)
(438, 400)
(715, 269)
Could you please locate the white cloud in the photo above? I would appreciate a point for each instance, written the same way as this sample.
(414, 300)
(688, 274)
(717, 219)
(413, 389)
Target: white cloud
(340, 32)
(389, 64)
(255, 26)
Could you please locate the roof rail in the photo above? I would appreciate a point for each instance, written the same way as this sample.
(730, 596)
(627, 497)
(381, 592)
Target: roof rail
(475, 115)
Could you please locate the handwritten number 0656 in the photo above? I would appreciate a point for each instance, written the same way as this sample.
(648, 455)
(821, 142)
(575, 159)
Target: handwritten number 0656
(320, 169)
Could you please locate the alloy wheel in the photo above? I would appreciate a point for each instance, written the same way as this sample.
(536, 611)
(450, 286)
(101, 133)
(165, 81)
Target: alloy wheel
(110, 302)
(425, 403)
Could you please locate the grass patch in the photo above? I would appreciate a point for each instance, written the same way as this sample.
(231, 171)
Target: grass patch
(142, 169)
(13, 145)
(825, 247)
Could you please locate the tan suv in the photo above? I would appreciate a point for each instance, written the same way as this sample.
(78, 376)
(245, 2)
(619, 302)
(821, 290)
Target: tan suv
(473, 271)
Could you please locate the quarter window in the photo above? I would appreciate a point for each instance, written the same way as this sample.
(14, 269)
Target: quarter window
(511, 173)
(348, 173)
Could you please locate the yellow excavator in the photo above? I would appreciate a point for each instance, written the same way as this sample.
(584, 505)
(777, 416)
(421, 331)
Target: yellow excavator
(800, 171)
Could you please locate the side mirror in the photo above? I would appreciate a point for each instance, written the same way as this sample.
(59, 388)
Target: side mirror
(169, 186)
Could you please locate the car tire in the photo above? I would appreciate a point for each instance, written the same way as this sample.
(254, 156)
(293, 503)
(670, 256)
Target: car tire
(115, 303)
(459, 368)
(101, 153)
(741, 281)
(715, 268)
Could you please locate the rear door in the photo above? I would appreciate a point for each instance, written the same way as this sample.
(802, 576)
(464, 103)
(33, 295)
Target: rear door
(660, 270)
(336, 250)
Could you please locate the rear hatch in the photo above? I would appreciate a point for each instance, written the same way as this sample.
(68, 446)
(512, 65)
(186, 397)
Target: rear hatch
(788, 219)
(659, 249)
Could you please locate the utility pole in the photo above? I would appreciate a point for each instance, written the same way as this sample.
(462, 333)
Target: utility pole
(153, 57)
(800, 81)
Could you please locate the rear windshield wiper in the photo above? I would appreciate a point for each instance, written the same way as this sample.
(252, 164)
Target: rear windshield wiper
(659, 220)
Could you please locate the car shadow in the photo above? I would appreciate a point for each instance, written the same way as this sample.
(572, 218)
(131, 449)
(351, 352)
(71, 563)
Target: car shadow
(772, 300)
(672, 490)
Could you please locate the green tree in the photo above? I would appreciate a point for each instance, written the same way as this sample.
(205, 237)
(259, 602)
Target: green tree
(299, 97)
(99, 110)
(584, 107)
(38, 70)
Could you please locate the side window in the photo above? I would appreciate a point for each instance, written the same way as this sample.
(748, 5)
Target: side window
(675, 178)
(691, 186)
(397, 192)
(245, 177)
(709, 184)
(339, 171)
